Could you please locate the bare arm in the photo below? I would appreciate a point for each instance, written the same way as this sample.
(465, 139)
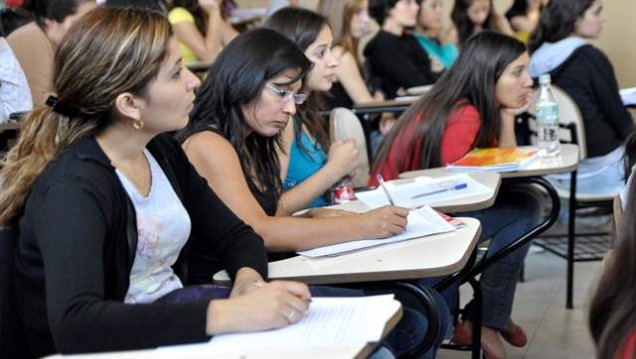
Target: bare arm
(215, 159)
(343, 159)
(207, 47)
(348, 73)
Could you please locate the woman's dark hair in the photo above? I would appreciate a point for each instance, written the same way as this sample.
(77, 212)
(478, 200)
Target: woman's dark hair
(237, 78)
(12, 18)
(613, 309)
(153, 5)
(57, 10)
(379, 9)
(629, 159)
(557, 21)
(302, 27)
(471, 80)
(465, 26)
(518, 8)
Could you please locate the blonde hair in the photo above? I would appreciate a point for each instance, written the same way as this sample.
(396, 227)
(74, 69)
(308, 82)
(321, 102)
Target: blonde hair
(109, 51)
(339, 13)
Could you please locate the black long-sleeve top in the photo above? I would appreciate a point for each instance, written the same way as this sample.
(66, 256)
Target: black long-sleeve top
(398, 62)
(77, 243)
(588, 77)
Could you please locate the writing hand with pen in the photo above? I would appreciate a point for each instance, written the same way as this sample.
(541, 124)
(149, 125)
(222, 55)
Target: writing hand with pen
(256, 305)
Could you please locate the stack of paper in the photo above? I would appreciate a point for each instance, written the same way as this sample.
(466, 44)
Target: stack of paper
(424, 221)
(494, 160)
(425, 191)
(330, 322)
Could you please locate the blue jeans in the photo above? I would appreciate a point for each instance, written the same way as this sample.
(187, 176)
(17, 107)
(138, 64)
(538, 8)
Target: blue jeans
(516, 211)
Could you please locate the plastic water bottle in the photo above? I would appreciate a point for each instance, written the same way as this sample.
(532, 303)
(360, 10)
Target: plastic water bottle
(546, 110)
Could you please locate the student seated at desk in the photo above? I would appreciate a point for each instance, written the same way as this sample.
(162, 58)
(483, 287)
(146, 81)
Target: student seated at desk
(473, 105)
(309, 164)
(560, 47)
(106, 205)
(248, 96)
(612, 317)
(471, 17)
(395, 58)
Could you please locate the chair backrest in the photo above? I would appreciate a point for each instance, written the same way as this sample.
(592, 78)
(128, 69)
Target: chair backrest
(569, 114)
(343, 125)
(12, 341)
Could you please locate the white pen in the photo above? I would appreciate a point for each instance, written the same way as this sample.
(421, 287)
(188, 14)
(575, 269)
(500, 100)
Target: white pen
(386, 191)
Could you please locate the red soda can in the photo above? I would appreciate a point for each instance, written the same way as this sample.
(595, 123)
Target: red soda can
(342, 192)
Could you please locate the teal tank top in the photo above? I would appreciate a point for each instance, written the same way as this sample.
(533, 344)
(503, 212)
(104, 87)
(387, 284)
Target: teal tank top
(446, 54)
(303, 164)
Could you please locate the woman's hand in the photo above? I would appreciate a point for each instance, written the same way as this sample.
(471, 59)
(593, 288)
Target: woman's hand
(343, 158)
(246, 280)
(387, 120)
(383, 222)
(436, 65)
(507, 112)
(272, 305)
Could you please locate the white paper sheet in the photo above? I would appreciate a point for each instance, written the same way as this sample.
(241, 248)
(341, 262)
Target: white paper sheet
(421, 222)
(628, 95)
(403, 193)
(330, 322)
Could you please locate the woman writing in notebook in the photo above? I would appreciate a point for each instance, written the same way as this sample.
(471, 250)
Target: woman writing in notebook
(473, 105)
(106, 205)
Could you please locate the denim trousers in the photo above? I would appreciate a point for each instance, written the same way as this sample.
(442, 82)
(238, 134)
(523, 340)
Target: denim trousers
(515, 212)
(409, 331)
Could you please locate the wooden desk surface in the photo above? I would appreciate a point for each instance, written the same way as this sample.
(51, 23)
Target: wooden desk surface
(473, 203)
(568, 162)
(430, 256)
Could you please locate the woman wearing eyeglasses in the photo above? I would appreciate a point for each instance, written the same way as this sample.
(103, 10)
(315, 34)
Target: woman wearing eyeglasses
(246, 101)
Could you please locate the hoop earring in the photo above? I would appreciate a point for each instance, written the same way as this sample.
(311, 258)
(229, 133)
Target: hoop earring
(138, 124)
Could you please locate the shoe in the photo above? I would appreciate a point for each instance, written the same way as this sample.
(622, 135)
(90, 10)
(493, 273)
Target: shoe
(462, 335)
(514, 335)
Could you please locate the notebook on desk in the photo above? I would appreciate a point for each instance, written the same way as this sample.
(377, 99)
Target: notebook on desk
(494, 160)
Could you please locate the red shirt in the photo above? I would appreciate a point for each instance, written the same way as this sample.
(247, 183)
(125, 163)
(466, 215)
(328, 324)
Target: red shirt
(460, 132)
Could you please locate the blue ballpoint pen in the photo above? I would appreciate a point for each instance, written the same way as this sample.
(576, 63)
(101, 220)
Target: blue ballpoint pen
(386, 191)
(455, 187)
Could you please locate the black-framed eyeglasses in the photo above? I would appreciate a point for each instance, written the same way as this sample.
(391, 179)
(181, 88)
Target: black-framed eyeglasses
(285, 95)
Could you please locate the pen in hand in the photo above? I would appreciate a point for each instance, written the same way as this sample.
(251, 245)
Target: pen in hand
(386, 191)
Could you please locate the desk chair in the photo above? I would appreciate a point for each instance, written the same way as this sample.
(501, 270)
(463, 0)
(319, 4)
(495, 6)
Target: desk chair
(572, 130)
(344, 125)
(12, 340)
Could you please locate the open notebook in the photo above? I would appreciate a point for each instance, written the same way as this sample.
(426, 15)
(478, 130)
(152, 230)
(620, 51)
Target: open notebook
(423, 221)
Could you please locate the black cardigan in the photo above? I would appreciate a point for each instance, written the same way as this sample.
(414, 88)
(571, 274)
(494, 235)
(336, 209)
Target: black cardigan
(398, 62)
(588, 77)
(78, 238)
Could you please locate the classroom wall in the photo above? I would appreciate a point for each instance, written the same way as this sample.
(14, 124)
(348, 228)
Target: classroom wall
(616, 39)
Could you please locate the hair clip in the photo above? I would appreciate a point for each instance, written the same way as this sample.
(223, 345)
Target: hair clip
(62, 108)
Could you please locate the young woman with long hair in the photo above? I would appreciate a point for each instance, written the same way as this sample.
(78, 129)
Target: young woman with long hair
(245, 102)
(310, 165)
(349, 20)
(395, 59)
(523, 16)
(107, 206)
(612, 318)
(473, 16)
(473, 105)
(430, 33)
(201, 28)
(560, 47)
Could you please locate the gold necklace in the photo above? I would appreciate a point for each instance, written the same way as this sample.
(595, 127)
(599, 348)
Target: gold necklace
(143, 185)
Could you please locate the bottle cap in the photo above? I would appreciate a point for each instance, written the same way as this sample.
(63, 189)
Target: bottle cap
(544, 79)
